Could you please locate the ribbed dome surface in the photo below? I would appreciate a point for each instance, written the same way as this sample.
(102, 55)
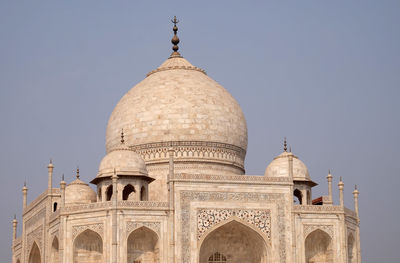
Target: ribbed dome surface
(177, 102)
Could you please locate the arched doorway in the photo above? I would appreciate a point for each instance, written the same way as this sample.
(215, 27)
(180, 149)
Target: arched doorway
(34, 255)
(233, 243)
(88, 248)
(54, 255)
(318, 247)
(351, 249)
(143, 246)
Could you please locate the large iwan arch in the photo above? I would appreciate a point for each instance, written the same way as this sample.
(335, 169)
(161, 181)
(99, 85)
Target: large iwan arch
(318, 247)
(88, 248)
(143, 246)
(34, 255)
(233, 242)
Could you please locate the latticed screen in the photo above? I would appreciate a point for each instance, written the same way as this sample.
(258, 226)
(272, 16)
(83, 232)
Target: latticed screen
(216, 258)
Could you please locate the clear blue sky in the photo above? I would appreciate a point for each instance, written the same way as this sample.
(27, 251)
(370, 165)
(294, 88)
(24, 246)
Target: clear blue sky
(325, 74)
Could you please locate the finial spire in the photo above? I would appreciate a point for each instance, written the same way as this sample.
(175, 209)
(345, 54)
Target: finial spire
(175, 39)
(62, 177)
(77, 172)
(285, 145)
(122, 136)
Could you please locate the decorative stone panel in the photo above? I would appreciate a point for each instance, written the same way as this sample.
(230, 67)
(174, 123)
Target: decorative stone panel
(98, 228)
(207, 218)
(133, 225)
(310, 228)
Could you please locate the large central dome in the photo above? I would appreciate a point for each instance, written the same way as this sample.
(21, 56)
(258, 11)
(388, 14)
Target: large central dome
(177, 102)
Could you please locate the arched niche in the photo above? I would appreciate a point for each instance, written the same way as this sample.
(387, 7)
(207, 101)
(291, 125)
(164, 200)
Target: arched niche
(34, 255)
(352, 249)
(18, 261)
(128, 193)
(54, 254)
(88, 248)
(109, 192)
(143, 194)
(234, 241)
(297, 197)
(143, 246)
(318, 247)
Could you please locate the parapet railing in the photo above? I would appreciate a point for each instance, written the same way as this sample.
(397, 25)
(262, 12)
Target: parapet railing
(98, 206)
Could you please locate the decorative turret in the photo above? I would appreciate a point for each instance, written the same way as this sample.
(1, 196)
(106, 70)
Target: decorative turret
(14, 223)
(62, 190)
(50, 168)
(355, 195)
(25, 195)
(341, 186)
(329, 178)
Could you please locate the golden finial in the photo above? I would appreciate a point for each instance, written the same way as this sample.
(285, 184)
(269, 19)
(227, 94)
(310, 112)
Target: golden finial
(122, 136)
(175, 39)
(285, 145)
(77, 172)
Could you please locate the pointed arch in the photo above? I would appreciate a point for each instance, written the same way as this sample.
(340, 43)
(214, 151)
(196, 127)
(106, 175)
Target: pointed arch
(298, 196)
(236, 241)
(54, 254)
(88, 247)
(352, 249)
(143, 246)
(34, 255)
(318, 247)
(128, 192)
(18, 261)
(109, 192)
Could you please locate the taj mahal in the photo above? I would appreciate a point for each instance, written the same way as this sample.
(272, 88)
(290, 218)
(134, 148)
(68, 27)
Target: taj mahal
(172, 188)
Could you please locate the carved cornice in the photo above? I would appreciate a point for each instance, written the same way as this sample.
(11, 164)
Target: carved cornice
(177, 67)
(231, 178)
(99, 206)
(192, 151)
(317, 209)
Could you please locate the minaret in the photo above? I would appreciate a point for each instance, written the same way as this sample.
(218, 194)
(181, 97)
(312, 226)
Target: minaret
(62, 190)
(355, 195)
(14, 222)
(50, 168)
(25, 194)
(329, 177)
(114, 218)
(341, 185)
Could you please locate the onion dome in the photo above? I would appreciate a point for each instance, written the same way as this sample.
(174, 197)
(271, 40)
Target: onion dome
(122, 161)
(178, 105)
(79, 192)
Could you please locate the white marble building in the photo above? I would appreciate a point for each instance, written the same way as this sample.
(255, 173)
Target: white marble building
(172, 188)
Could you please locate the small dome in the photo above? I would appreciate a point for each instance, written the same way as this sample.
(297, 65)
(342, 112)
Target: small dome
(279, 167)
(79, 192)
(124, 161)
